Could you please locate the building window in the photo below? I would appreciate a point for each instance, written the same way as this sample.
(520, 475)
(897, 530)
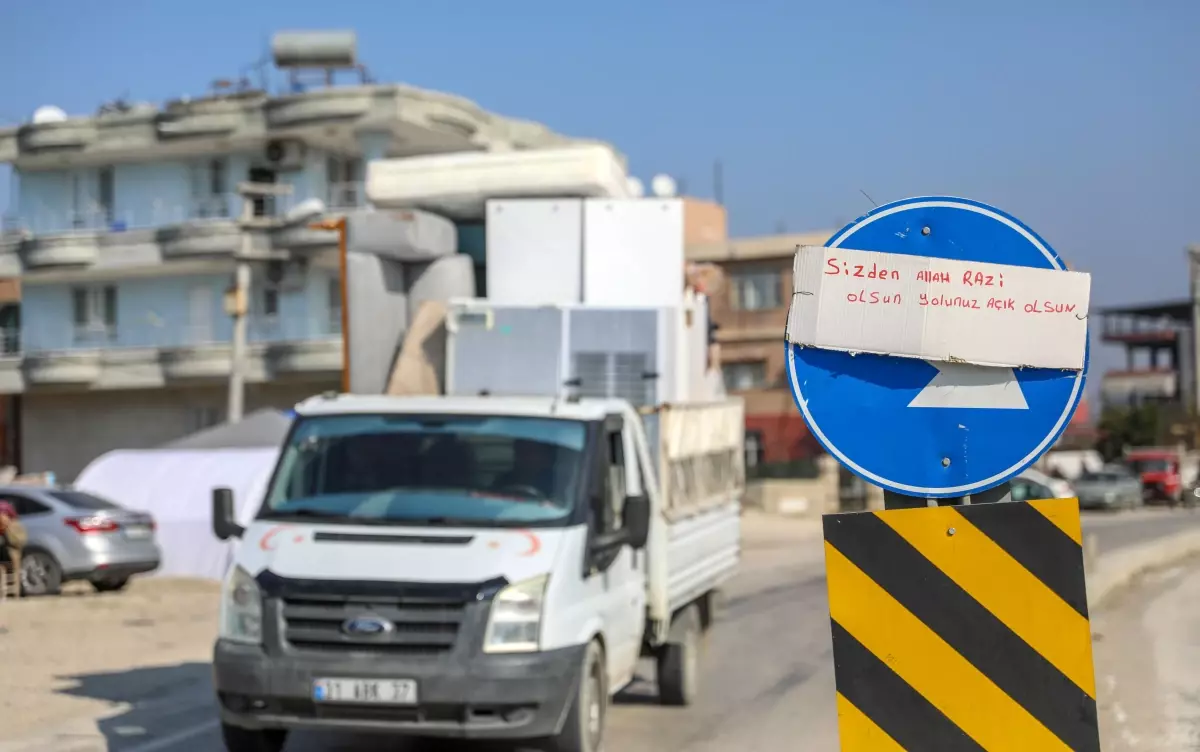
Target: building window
(200, 418)
(269, 302)
(95, 314)
(753, 447)
(107, 193)
(746, 375)
(79, 206)
(210, 189)
(756, 290)
(335, 305)
(344, 179)
(216, 177)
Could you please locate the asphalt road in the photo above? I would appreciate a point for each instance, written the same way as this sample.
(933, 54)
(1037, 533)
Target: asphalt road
(768, 682)
(768, 673)
(1147, 648)
(1117, 530)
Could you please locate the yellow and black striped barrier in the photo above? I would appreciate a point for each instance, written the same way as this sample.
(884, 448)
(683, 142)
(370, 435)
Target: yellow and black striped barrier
(962, 628)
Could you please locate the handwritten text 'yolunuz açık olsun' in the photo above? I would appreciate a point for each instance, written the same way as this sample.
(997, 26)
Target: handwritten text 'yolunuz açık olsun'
(969, 289)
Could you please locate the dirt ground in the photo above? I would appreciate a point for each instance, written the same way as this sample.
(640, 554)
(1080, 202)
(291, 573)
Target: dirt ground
(79, 654)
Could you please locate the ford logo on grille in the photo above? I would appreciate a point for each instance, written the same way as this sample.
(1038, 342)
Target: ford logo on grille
(367, 626)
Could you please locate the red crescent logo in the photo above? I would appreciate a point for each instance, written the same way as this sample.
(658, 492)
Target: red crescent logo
(265, 544)
(535, 543)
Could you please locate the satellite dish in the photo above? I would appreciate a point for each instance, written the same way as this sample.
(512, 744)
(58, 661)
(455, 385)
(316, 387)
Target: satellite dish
(663, 186)
(635, 187)
(49, 114)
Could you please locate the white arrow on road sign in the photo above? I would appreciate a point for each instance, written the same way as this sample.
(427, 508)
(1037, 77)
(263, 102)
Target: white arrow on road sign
(965, 385)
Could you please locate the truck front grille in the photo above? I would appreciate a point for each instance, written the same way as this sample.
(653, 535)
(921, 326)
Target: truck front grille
(419, 625)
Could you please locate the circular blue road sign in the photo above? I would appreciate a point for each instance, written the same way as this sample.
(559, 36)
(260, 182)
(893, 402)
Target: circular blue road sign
(864, 409)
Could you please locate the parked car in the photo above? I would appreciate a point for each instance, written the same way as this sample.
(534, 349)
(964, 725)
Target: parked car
(1113, 487)
(79, 536)
(1059, 488)
(1029, 487)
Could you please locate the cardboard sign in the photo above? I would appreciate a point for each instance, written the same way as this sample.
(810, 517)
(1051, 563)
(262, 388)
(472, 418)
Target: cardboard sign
(939, 310)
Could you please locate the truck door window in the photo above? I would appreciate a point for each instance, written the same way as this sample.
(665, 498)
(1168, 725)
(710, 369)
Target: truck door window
(609, 499)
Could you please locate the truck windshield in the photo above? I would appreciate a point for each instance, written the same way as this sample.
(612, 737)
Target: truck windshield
(1151, 466)
(429, 470)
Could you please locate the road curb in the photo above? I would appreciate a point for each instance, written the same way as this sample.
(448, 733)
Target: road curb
(1113, 571)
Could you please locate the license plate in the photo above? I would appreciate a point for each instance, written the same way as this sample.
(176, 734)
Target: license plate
(366, 691)
(137, 532)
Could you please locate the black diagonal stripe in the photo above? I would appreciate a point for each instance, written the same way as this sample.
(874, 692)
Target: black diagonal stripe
(1037, 544)
(890, 702)
(969, 628)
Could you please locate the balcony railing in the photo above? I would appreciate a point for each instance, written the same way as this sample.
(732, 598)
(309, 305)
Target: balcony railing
(150, 333)
(219, 208)
(1119, 387)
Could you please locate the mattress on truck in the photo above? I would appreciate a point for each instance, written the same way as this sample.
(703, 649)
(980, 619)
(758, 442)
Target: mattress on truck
(407, 235)
(698, 455)
(459, 185)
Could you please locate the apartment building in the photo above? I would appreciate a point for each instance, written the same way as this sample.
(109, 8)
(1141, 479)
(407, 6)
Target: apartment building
(124, 233)
(1159, 362)
(750, 311)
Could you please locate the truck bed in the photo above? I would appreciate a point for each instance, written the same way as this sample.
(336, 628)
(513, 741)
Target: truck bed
(695, 545)
(702, 552)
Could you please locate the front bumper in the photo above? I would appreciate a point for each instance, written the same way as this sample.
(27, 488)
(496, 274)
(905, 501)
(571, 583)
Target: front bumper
(516, 696)
(1098, 502)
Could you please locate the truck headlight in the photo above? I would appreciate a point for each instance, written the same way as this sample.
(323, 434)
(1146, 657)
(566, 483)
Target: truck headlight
(241, 607)
(515, 623)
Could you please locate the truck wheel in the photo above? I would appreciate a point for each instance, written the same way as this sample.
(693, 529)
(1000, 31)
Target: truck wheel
(583, 729)
(238, 739)
(679, 660)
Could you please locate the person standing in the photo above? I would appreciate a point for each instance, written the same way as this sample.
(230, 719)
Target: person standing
(13, 537)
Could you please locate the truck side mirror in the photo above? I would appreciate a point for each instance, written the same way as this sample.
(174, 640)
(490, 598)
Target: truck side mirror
(224, 523)
(635, 519)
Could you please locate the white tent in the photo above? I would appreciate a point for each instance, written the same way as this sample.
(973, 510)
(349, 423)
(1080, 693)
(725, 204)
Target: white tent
(174, 483)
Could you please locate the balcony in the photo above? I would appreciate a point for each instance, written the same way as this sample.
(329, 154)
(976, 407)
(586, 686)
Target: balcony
(1136, 387)
(222, 208)
(1148, 325)
(147, 237)
(151, 356)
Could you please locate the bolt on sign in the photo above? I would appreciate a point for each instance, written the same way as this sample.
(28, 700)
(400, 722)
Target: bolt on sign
(937, 347)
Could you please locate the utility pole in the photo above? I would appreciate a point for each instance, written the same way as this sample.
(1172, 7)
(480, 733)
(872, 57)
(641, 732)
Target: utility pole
(237, 298)
(1194, 277)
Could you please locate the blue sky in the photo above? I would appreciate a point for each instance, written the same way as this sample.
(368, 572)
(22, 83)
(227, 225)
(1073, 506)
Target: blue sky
(1078, 116)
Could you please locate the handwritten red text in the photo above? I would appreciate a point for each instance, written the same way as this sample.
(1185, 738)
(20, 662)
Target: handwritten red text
(863, 271)
(873, 298)
(945, 301)
(979, 279)
(1049, 306)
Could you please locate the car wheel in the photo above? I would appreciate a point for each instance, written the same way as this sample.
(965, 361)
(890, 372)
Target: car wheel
(40, 574)
(110, 586)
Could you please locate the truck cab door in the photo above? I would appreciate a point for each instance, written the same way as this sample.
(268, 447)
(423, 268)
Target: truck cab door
(622, 571)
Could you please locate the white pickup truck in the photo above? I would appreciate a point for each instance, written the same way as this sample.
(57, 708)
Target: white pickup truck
(475, 567)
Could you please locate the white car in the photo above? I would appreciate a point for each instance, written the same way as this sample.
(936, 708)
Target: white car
(1059, 488)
